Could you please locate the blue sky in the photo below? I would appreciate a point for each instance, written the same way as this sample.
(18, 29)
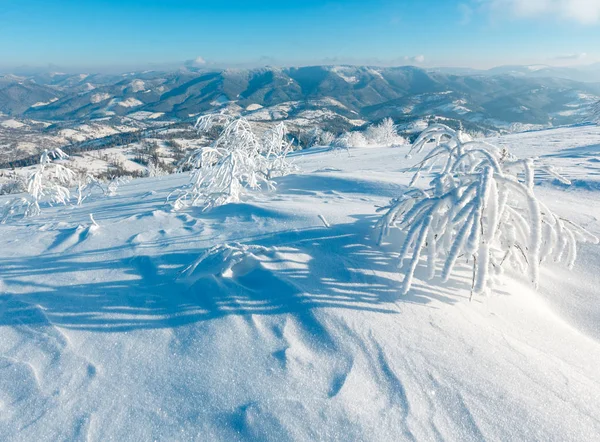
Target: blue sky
(135, 33)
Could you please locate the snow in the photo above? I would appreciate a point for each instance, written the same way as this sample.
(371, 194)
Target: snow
(253, 107)
(345, 74)
(12, 124)
(220, 100)
(97, 98)
(455, 106)
(72, 135)
(40, 104)
(297, 329)
(145, 115)
(28, 146)
(130, 102)
(138, 85)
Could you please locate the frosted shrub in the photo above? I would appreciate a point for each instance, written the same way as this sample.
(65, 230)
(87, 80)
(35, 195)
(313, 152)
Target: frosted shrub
(350, 139)
(50, 180)
(14, 184)
(326, 138)
(86, 184)
(383, 134)
(237, 160)
(113, 185)
(480, 206)
(316, 137)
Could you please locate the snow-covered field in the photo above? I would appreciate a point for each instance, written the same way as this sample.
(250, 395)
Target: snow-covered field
(297, 329)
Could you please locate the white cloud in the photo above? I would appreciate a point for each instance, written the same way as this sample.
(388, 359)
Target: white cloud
(199, 61)
(582, 11)
(466, 13)
(579, 56)
(416, 59)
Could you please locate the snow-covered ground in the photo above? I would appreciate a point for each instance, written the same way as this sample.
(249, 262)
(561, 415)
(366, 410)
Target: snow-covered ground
(297, 330)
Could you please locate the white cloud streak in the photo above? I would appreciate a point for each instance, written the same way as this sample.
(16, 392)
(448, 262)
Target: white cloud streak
(581, 11)
(416, 59)
(580, 56)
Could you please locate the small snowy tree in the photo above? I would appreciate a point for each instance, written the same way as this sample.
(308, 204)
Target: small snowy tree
(383, 134)
(237, 160)
(350, 139)
(49, 180)
(481, 206)
(113, 185)
(86, 184)
(326, 138)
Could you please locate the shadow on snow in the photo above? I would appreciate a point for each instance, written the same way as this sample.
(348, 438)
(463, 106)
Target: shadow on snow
(339, 267)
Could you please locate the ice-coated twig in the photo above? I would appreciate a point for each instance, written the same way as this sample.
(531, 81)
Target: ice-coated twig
(481, 204)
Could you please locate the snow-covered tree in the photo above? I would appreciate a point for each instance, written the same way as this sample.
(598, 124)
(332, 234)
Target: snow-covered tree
(154, 169)
(318, 137)
(350, 139)
(237, 160)
(113, 185)
(481, 206)
(86, 184)
(14, 183)
(326, 138)
(50, 180)
(383, 134)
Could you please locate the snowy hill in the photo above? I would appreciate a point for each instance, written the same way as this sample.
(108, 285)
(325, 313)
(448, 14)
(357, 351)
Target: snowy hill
(295, 328)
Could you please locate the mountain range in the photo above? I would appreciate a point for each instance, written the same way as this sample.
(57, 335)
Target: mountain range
(367, 93)
(51, 109)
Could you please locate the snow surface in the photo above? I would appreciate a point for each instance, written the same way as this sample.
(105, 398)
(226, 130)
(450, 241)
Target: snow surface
(296, 330)
(143, 115)
(138, 85)
(12, 124)
(97, 98)
(41, 103)
(253, 107)
(130, 102)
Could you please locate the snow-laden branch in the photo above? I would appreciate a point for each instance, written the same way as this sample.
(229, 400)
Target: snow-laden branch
(237, 160)
(383, 134)
(50, 180)
(481, 206)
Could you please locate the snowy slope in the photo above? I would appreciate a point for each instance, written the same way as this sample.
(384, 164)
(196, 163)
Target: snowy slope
(298, 332)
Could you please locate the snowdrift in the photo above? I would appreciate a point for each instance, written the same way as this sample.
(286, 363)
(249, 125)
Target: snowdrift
(280, 318)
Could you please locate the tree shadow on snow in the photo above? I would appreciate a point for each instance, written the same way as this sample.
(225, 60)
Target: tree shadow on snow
(294, 271)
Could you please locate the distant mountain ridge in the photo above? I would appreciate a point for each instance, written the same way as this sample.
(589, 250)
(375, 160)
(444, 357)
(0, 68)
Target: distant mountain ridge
(360, 92)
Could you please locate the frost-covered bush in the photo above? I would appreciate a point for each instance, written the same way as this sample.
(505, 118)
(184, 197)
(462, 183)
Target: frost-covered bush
(479, 206)
(14, 184)
(384, 134)
(50, 180)
(114, 183)
(155, 169)
(326, 138)
(316, 137)
(86, 184)
(350, 139)
(237, 160)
